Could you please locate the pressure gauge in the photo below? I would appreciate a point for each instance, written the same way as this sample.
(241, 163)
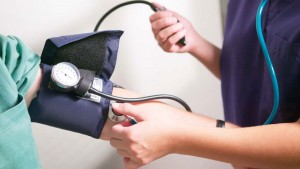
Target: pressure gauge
(65, 76)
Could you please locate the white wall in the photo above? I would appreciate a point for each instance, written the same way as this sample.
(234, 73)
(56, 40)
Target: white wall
(142, 66)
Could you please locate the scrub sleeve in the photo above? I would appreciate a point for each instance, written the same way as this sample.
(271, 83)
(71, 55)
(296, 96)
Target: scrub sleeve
(18, 69)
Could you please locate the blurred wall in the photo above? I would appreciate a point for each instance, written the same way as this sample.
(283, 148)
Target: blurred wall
(142, 66)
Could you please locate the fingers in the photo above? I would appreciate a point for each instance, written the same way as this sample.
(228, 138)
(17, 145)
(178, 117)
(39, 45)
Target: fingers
(125, 149)
(167, 33)
(167, 30)
(119, 131)
(169, 44)
(160, 21)
(131, 164)
(127, 109)
(161, 24)
(118, 143)
(124, 153)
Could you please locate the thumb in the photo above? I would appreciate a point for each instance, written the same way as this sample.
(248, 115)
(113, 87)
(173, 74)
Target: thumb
(127, 109)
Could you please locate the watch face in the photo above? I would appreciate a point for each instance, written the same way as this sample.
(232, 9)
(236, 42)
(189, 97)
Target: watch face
(65, 75)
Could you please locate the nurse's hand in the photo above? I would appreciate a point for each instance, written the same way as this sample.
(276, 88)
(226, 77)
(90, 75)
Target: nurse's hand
(157, 133)
(151, 138)
(168, 28)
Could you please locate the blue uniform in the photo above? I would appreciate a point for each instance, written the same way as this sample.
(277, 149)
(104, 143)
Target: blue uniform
(246, 84)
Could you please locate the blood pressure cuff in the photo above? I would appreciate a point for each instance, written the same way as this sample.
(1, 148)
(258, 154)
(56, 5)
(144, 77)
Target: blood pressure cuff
(96, 51)
(68, 111)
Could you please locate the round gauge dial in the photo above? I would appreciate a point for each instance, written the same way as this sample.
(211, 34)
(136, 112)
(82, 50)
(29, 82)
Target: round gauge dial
(65, 75)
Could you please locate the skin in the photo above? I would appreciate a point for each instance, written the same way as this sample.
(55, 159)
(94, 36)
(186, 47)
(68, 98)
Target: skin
(267, 147)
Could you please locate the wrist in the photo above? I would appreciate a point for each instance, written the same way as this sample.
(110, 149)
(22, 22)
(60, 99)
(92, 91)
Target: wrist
(208, 54)
(184, 127)
(197, 46)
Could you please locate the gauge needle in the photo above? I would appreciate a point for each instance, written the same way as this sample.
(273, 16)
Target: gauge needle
(66, 75)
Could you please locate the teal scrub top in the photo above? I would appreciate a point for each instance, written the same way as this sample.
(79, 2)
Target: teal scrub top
(18, 69)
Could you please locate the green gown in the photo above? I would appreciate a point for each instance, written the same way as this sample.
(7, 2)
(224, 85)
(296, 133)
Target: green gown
(18, 69)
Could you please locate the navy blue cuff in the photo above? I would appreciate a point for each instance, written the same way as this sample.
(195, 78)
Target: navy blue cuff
(96, 51)
(67, 111)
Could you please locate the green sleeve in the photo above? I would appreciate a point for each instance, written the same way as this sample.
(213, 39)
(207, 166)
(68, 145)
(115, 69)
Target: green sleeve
(18, 69)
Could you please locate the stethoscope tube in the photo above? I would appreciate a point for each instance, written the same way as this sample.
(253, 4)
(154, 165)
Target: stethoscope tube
(182, 41)
(268, 61)
(119, 6)
(140, 99)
